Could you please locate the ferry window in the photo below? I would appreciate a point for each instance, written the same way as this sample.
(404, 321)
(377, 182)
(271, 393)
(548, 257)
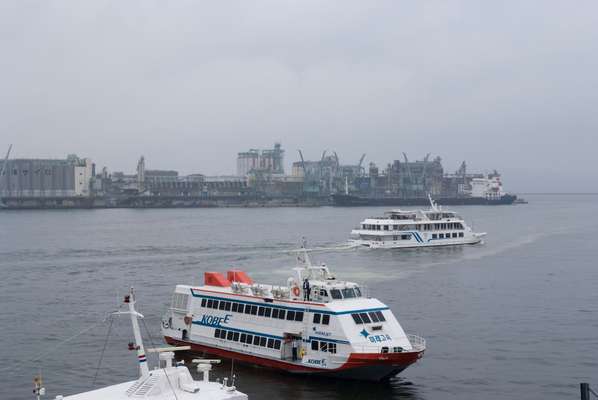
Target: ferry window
(270, 343)
(460, 234)
(267, 312)
(281, 314)
(357, 291)
(215, 304)
(323, 293)
(335, 294)
(209, 303)
(236, 337)
(332, 347)
(459, 225)
(235, 307)
(223, 334)
(441, 235)
(275, 313)
(203, 302)
(323, 346)
(454, 234)
(348, 293)
(365, 318)
(277, 344)
(314, 345)
(261, 311)
(317, 318)
(405, 237)
(229, 335)
(299, 316)
(385, 227)
(325, 319)
(263, 341)
(217, 333)
(357, 319)
(221, 305)
(434, 236)
(243, 337)
(290, 315)
(395, 227)
(227, 306)
(247, 309)
(248, 339)
(395, 237)
(378, 227)
(380, 316)
(374, 317)
(256, 340)
(253, 310)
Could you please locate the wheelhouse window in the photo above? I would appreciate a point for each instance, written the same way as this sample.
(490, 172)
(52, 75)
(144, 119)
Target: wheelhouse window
(365, 318)
(335, 294)
(357, 319)
(348, 293)
(325, 319)
(315, 345)
(357, 291)
(317, 318)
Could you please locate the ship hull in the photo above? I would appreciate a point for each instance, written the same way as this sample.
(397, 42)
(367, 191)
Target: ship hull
(359, 366)
(343, 200)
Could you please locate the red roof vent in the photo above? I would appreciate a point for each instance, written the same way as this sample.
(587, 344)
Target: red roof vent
(215, 279)
(234, 275)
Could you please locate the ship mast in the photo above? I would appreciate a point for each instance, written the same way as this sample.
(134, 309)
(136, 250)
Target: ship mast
(141, 358)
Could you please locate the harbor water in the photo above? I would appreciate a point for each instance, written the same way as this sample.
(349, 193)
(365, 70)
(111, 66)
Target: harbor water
(516, 317)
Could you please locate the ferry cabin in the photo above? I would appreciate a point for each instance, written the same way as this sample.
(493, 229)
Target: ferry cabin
(332, 330)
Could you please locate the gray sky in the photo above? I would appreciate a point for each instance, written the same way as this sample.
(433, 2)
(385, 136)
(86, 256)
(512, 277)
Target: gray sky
(511, 85)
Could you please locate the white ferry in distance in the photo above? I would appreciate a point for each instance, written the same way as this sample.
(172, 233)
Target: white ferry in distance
(415, 228)
(314, 324)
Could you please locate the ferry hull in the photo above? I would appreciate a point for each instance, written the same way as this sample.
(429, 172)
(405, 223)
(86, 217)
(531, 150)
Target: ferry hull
(359, 366)
(381, 245)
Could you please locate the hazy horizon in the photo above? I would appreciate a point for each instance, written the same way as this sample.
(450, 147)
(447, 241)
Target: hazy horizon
(507, 86)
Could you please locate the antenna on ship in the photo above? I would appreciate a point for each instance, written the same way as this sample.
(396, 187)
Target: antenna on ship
(433, 204)
(138, 345)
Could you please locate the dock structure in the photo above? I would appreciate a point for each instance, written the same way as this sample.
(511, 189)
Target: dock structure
(260, 181)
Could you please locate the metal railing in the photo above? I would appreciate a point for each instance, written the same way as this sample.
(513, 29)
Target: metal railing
(417, 342)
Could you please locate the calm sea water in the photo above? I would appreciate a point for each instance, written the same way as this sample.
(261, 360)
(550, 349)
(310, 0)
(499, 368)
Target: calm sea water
(516, 317)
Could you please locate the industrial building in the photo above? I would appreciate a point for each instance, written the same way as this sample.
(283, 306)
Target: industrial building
(269, 161)
(46, 178)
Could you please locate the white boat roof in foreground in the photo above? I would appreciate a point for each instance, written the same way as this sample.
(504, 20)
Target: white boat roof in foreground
(168, 382)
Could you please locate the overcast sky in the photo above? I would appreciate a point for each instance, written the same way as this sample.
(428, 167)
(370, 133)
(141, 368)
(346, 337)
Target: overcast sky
(511, 85)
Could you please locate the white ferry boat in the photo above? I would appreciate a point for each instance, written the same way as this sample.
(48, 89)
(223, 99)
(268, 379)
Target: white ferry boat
(415, 228)
(314, 324)
(168, 382)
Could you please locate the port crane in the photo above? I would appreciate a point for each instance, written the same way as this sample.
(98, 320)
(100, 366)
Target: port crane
(4, 164)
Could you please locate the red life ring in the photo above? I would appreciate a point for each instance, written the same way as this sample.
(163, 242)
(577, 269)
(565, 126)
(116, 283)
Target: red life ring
(296, 291)
(187, 320)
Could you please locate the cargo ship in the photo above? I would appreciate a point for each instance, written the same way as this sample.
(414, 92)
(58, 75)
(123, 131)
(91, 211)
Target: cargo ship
(484, 191)
(312, 325)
